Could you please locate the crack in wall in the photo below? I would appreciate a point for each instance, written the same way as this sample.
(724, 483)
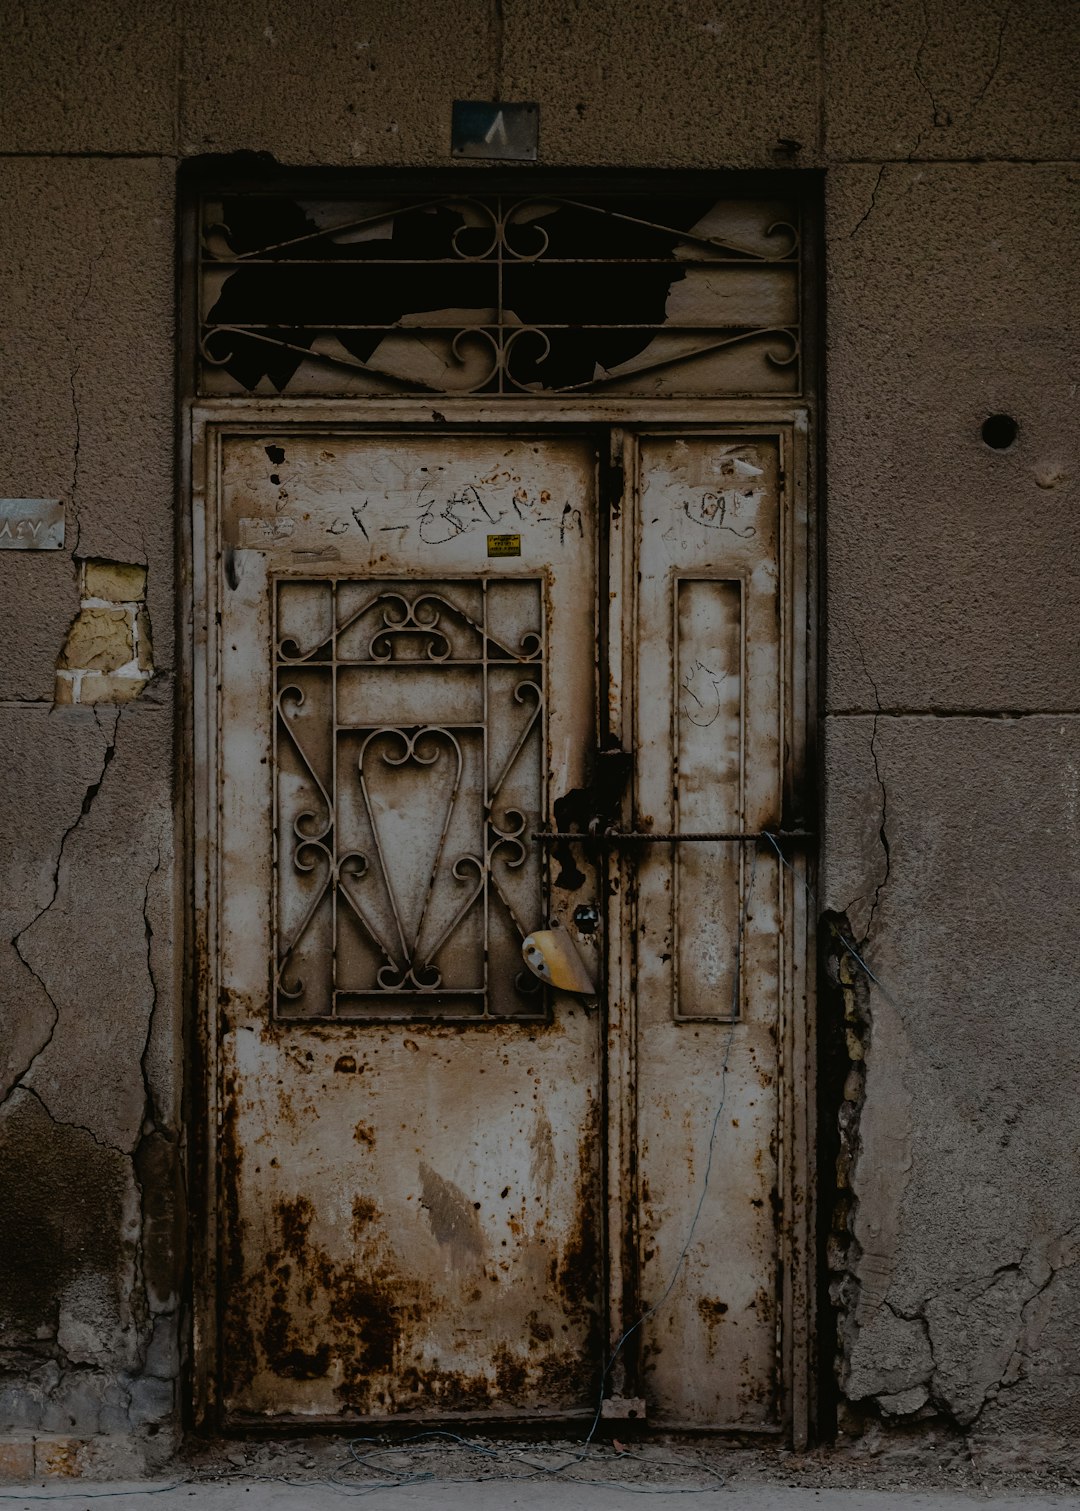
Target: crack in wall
(996, 65)
(31, 1091)
(89, 795)
(952, 1386)
(935, 113)
(73, 375)
(940, 116)
(883, 833)
(871, 206)
(153, 1114)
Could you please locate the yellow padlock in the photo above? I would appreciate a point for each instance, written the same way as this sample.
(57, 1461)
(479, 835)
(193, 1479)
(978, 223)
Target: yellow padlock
(552, 956)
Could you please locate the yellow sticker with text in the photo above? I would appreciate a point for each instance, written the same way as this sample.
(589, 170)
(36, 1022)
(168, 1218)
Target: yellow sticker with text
(504, 545)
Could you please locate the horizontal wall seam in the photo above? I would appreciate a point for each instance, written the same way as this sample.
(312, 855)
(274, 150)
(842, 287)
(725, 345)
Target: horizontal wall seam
(823, 162)
(952, 713)
(145, 705)
(978, 159)
(166, 155)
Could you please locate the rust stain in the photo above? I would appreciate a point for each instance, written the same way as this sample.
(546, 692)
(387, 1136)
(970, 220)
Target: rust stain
(364, 1211)
(542, 1163)
(284, 1350)
(540, 1332)
(364, 1134)
(295, 1218)
(578, 1274)
(238, 1343)
(452, 1217)
(362, 1310)
(511, 1371)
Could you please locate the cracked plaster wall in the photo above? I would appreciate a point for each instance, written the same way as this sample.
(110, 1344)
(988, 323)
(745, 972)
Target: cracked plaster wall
(948, 138)
(951, 760)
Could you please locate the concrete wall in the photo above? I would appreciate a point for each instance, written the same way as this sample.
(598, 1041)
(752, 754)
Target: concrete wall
(951, 743)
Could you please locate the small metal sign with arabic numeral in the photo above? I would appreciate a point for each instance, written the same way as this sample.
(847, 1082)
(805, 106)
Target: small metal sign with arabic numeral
(488, 128)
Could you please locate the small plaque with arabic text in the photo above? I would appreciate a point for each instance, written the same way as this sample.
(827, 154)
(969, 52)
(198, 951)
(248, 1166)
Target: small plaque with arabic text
(504, 545)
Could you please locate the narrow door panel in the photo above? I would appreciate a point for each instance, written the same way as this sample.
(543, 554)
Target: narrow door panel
(709, 740)
(410, 1181)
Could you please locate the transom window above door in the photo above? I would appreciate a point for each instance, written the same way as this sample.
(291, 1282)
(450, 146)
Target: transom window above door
(514, 295)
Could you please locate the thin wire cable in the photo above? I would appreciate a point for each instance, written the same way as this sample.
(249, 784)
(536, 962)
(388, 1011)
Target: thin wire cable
(90, 1495)
(847, 944)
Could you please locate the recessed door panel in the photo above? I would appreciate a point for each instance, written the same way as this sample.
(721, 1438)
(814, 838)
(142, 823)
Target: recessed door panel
(411, 1187)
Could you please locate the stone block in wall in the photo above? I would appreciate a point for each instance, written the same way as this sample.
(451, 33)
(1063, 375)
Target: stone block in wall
(951, 79)
(314, 82)
(16, 1460)
(88, 945)
(112, 1456)
(89, 1157)
(87, 325)
(965, 1273)
(952, 569)
(54, 758)
(89, 78)
(635, 84)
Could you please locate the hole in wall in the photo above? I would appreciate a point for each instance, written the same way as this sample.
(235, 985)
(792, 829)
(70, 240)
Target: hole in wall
(999, 431)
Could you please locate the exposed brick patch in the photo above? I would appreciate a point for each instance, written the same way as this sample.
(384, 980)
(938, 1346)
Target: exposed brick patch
(108, 655)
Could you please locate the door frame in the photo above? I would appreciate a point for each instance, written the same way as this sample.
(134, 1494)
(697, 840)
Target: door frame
(205, 424)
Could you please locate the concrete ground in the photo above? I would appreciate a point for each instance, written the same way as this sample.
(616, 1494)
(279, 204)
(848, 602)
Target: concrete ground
(435, 1470)
(501, 1495)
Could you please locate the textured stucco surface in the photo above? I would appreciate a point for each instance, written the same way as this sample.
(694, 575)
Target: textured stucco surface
(950, 79)
(370, 83)
(710, 79)
(636, 85)
(967, 1225)
(90, 78)
(952, 569)
(89, 1166)
(86, 389)
(948, 135)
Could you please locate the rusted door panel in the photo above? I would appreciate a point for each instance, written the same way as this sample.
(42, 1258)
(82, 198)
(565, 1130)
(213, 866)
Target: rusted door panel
(411, 1202)
(410, 1207)
(710, 698)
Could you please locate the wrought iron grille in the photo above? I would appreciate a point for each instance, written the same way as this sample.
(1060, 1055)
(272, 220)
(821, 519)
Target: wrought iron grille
(409, 775)
(499, 295)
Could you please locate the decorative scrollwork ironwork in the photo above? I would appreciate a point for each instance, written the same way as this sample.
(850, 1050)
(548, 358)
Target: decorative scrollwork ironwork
(501, 295)
(404, 876)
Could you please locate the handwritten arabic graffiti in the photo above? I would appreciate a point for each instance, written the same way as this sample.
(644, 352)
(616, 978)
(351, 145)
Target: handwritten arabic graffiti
(438, 511)
(442, 522)
(702, 687)
(713, 509)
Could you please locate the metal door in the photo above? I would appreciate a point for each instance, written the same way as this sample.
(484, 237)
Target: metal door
(445, 1190)
(718, 737)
